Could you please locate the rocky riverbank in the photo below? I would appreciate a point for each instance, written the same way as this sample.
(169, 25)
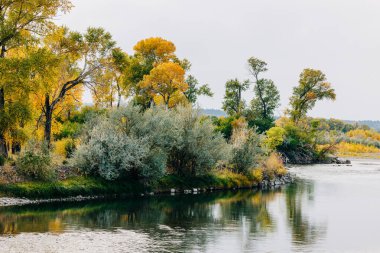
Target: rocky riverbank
(277, 182)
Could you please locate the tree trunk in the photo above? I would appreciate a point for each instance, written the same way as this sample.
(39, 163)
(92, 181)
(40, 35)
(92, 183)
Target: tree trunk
(16, 147)
(118, 100)
(3, 144)
(48, 120)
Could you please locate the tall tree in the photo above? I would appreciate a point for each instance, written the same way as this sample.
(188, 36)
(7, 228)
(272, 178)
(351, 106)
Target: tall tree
(19, 21)
(266, 99)
(78, 56)
(166, 83)
(312, 88)
(194, 90)
(108, 83)
(148, 53)
(233, 103)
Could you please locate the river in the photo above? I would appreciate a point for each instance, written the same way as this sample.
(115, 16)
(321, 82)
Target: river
(329, 209)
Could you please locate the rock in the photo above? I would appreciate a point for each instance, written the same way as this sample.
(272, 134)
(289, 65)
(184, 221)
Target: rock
(172, 190)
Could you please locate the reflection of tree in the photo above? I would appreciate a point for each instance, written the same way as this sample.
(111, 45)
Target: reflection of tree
(188, 220)
(303, 231)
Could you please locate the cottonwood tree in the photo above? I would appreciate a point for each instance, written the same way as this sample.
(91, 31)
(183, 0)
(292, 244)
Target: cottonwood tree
(21, 21)
(76, 57)
(148, 53)
(233, 103)
(165, 84)
(312, 87)
(108, 84)
(266, 99)
(195, 90)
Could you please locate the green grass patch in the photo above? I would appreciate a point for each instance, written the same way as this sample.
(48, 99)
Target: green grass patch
(76, 186)
(87, 186)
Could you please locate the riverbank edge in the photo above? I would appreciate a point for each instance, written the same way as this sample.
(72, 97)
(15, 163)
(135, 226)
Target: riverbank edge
(82, 189)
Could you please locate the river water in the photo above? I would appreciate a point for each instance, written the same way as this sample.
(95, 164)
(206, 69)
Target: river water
(330, 209)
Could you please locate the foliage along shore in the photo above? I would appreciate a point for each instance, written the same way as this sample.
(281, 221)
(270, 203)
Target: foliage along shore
(85, 188)
(158, 137)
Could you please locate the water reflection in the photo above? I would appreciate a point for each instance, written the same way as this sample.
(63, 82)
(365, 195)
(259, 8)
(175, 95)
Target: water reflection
(304, 232)
(186, 223)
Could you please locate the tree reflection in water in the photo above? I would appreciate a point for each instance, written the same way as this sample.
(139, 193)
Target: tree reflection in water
(304, 232)
(176, 222)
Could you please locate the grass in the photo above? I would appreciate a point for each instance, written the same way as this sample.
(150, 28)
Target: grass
(87, 186)
(76, 186)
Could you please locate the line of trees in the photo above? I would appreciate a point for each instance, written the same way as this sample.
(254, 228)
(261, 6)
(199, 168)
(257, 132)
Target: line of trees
(294, 135)
(45, 69)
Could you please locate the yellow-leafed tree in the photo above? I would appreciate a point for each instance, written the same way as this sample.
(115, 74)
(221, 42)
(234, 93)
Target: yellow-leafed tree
(165, 84)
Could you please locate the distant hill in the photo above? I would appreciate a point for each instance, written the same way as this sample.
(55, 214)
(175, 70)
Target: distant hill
(375, 124)
(213, 112)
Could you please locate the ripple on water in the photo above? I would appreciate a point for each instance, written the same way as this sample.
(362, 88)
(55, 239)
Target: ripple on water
(117, 241)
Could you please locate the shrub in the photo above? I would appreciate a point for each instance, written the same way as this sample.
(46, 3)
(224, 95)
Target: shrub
(2, 160)
(65, 147)
(246, 150)
(257, 175)
(273, 166)
(36, 163)
(299, 145)
(130, 143)
(109, 153)
(274, 138)
(198, 148)
(8, 174)
(224, 126)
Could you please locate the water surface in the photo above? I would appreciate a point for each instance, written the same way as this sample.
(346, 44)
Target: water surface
(330, 209)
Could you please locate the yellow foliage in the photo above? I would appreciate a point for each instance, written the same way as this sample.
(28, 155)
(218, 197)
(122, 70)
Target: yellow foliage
(155, 49)
(274, 166)
(364, 134)
(233, 179)
(165, 83)
(257, 175)
(60, 146)
(345, 149)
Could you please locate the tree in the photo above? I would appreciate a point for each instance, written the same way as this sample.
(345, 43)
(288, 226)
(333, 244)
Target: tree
(108, 85)
(166, 83)
(20, 20)
(267, 96)
(16, 109)
(312, 88)
(195, 90)
(233, 102)
(148, 54)
(76, 57)
(274, 138)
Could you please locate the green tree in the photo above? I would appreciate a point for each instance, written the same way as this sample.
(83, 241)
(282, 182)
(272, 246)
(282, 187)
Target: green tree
(233, 103)
(312, 88)
(267, 97)
(194, 90)
(77, 57)
(21, 22)
(107, 83)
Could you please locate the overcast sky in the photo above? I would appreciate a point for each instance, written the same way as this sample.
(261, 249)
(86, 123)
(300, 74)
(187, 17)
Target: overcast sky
(339, 37)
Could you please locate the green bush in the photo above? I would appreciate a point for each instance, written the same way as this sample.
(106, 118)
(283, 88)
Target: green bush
(129, 143)
(246, 151)
(70, 147)
(36, 163)
(2, 160)
(198, 147)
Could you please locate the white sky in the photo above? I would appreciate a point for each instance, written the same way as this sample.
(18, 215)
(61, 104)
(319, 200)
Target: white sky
(339, 37)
